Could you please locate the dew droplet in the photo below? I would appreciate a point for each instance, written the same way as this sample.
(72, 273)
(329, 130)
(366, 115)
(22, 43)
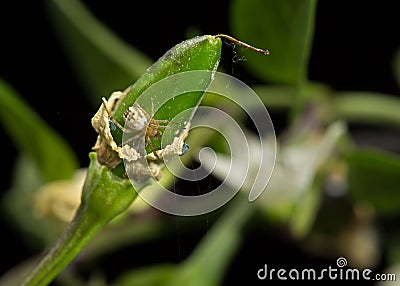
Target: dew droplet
(185, 149)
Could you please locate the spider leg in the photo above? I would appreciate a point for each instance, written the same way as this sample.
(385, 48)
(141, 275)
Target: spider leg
(112, 118)
(156, 123)
(167, 127)
(152, 108)
(175, 123)
(162, 121)
(148, 140)
(170, 128)
(132, 138)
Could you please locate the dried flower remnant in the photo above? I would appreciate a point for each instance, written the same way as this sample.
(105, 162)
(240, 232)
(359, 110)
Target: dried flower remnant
(106, 148)
(141, 168)
(140, 128)
(60, 199)
(178, 147)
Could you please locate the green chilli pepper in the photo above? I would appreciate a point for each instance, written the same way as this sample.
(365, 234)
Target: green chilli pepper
(199, 53)
(106, 195)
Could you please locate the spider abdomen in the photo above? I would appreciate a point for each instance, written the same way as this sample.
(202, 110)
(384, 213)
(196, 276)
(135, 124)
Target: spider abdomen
(136, 118)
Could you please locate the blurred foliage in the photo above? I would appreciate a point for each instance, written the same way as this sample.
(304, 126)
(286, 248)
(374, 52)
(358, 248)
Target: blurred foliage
(103, 61)
(374, 177)
(32, 135)
(368, 107)
(285, 27)
(317, 160)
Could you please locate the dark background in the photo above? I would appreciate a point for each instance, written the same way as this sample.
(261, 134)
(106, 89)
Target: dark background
(353, 49)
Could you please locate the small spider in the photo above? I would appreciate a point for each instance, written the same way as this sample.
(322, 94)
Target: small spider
(136, 119)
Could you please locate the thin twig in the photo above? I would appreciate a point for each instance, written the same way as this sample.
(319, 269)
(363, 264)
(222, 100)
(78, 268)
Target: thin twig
(236, 41)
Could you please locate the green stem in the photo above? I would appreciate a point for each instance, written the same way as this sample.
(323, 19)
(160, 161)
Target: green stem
(104, 196)
(81, 230)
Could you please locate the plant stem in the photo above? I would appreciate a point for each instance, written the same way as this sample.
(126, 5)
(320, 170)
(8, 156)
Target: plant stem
(78, 233)
(104, 196)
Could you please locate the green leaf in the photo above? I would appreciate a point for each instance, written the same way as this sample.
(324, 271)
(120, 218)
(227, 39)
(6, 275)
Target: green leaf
(368, 107)
(373, 178)
(32, 135)
(209, 261)
(283, 27)
(17, 203)
(103, 61)
(281, 96)
(305, 211)
(221, 243)
(199, 53)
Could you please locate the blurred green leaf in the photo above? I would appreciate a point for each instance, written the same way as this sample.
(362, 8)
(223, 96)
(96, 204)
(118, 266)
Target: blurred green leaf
(305, 211)
(276, 96)
(17, 202)
(374, 178)
(209, 261)
(281, 96)
(32, 135)
(283, 27)
(303, 162)
(103, 62)
(369, 107)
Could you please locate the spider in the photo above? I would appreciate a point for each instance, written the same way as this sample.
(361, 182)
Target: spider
(137, 120)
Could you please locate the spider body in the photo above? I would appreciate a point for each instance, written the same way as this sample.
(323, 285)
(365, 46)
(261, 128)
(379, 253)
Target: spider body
(136, 118)
(138, 121)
